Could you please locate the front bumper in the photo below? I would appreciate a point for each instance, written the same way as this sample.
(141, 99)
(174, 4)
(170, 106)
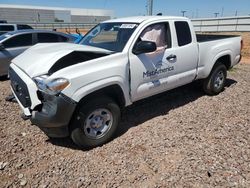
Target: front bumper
(54, 115)
(50, 113)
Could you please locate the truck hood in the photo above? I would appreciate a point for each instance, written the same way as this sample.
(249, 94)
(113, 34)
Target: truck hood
(39, 59)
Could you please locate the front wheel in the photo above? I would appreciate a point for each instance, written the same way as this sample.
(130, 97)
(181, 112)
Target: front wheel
(215, 82)
(95, 122)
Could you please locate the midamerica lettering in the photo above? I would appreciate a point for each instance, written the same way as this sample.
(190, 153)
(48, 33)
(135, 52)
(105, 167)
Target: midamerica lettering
(157, 72)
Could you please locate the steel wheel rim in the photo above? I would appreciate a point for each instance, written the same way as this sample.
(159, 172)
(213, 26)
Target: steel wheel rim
(98, 123)
(219, 80)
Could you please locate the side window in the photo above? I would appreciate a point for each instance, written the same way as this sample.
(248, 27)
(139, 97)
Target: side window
(62, 38)
(158, 33)
(183, 33)
(47, 37)
(6, 28)
(19, 41)
(20, 27)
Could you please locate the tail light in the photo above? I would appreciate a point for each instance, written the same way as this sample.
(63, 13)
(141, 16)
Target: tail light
(241, 44)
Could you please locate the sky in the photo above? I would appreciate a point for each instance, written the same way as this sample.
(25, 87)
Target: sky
(194, 8)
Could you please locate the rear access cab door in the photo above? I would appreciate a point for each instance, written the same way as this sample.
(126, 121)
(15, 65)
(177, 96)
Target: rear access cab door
(173, 64)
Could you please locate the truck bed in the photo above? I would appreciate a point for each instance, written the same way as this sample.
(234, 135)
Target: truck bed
(207, 38)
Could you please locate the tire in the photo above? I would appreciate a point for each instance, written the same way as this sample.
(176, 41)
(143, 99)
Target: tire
(95, 122)
(215, 82)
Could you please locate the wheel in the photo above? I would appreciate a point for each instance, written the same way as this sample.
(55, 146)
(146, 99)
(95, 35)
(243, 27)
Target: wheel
(215, 82)
(95, 122)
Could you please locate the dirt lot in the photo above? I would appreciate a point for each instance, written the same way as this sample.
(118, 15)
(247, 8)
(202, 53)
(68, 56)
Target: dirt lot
(179, 138)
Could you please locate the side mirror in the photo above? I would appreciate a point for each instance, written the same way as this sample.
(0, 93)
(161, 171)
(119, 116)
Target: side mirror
(1, 47)
(144, 47)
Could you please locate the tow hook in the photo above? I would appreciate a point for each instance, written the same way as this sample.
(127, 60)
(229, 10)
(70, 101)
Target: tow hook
(24, 117)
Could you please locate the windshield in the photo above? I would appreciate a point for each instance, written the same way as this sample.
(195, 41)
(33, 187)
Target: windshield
(110, 36)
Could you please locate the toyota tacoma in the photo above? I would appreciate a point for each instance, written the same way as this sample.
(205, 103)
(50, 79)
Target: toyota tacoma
(78, 90)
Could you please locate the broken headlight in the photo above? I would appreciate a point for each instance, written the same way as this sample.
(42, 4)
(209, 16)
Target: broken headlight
(51, 87)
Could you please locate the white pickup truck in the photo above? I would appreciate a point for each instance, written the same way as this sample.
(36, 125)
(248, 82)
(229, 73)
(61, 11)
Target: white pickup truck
(78, 90)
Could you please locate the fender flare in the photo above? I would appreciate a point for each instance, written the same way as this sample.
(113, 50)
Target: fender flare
(221, 54)
(99, 85)
(216, 58)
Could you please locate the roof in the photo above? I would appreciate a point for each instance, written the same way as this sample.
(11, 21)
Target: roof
(140, 19)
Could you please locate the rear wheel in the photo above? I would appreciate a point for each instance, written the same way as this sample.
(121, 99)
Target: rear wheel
(215, 82)
(95, 122)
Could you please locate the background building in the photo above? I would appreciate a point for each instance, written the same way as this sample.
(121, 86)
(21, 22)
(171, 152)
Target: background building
(37, 14)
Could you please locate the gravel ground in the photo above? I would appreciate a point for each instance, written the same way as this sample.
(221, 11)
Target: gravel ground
(181, 138)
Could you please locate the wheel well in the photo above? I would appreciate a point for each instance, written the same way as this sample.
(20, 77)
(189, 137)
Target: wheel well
(114, 91)
(225, 60)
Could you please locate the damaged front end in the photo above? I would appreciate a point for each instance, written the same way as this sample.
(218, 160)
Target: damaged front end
(54, 114)
(40, 95)
(75, 57)
(46, 106)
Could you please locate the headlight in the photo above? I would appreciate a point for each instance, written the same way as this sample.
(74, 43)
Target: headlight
(40, 82)
(52, 87)
(57, 85)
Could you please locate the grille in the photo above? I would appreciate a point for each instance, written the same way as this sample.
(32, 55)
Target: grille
(20, 88)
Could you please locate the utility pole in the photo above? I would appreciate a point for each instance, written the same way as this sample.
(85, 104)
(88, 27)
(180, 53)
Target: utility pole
(150, 7)
(216, 14)
(197, 13)
(222, 12)
(38, 17)
(183, 12)
(236, 13)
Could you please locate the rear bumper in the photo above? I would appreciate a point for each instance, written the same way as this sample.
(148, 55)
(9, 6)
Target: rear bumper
(54, 116)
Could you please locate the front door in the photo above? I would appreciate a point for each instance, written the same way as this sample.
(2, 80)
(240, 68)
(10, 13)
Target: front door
(168, 67)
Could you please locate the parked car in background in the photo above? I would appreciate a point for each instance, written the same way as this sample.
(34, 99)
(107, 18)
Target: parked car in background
(5, 27)
(14, 43)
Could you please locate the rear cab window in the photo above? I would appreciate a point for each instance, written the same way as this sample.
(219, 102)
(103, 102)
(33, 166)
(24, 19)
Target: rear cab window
(183, 32)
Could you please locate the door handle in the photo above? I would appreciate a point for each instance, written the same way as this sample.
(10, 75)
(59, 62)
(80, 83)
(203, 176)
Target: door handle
(171, 57)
